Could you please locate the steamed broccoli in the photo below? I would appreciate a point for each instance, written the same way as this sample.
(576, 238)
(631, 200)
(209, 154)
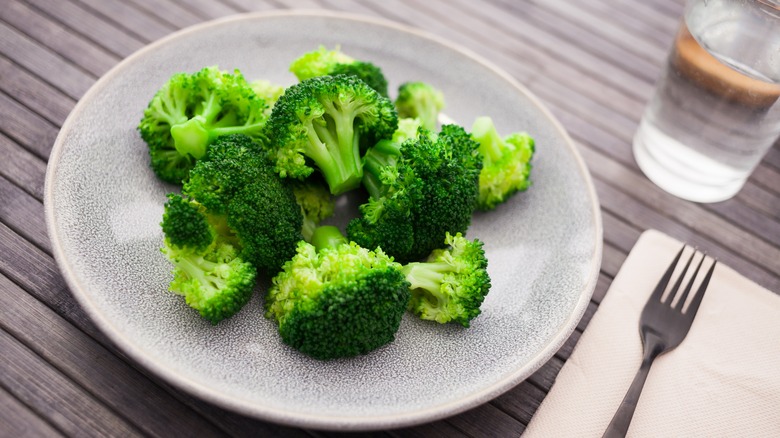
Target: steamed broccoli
(421, 101)
(339, 299)
(190, 111)
(208, 270)
(451, 284)
(231, 163)
(236, 181)
(506, 163)
(322, 62)
(316, 203)
(322, 120)
(419, 190)
(268, 91)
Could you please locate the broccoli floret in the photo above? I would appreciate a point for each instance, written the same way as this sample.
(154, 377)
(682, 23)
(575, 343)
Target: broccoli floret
(236, 182)
(208, 270)
(322, 62)
(267, 91)
(506, 163)
(317, 204)
(231, 163)
(322, 120)
(185, 224)
(340, 300)
(420, 100)
(451, 284)
(190, 111)
(267, 222)
(419, 190)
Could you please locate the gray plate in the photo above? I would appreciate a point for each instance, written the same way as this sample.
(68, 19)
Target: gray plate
(103, 208)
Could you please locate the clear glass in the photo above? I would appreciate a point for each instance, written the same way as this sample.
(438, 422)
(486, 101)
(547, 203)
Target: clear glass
(716, 108)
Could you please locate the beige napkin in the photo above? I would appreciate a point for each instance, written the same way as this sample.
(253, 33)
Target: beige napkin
(722, 381)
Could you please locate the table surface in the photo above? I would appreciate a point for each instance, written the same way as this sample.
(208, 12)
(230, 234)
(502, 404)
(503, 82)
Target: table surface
(592, 63)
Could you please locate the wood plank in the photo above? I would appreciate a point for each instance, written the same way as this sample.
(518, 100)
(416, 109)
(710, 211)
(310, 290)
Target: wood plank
(54, 397)
(435, 429)
(177, 16)
(205, 9)
(34, 93)
(125, 15)
(20, 422)
(487, 421)
(250, 5)
(45, 63)
(644, 217)
(36, 272)
(521, 402)
(58, 38)
(30, 130)
(83, 360)
(89, 25)
(22, 168)
(544, 378)
(23, 214)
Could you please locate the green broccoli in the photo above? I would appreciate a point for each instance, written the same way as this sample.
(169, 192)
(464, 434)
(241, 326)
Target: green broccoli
(506, 163)
(267, 91)
(451, 284)
(419, 190)
(236, 181)
(322, 62)
(322, 120)
(420, 100)
(268, 223)
(317, 204)
(190, 111)
(208, 270)
(338, 299)
(231, 163)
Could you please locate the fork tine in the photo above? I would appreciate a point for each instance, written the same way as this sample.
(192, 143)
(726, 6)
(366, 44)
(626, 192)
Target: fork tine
(684, 296)
(694, 306)
(673, 291)
(661, 286)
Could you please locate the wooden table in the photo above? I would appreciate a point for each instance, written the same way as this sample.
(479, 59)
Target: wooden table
(593, 63)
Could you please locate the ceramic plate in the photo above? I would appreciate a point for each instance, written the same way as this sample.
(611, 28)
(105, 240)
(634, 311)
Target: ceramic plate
(104, 206)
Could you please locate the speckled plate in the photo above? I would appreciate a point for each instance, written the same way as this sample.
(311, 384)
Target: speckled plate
(103, 208)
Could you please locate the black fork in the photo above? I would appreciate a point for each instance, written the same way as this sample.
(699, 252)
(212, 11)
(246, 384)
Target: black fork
(662, 326)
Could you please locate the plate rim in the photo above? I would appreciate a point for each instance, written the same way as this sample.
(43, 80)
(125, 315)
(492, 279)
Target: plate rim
(268, 412)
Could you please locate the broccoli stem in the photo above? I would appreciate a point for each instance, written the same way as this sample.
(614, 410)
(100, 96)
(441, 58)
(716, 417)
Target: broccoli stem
(327, 236)
(191, 137)
(197, 268)
(427, 277)
(384, 153)
(334, 146)
(484, 132)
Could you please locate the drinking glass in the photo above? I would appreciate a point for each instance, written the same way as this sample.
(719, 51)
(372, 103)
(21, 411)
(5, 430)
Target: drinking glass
(715, 111)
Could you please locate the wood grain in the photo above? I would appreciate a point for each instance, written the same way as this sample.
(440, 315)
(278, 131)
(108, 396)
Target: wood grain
(592, 63)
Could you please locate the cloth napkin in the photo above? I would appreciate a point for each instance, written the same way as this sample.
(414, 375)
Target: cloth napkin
(722, 381)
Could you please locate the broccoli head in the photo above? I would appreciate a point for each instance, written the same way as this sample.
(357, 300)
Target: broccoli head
(421, 101)
(506, 163)
(190, 111)
(267, 222)
(451, 284)
(322, 62)
(231, 163)
(419, 190)
(208, 270)
(338, 299)
(321, 121)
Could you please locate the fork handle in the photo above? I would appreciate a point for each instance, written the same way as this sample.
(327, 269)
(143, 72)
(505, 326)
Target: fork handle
(618, 427)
